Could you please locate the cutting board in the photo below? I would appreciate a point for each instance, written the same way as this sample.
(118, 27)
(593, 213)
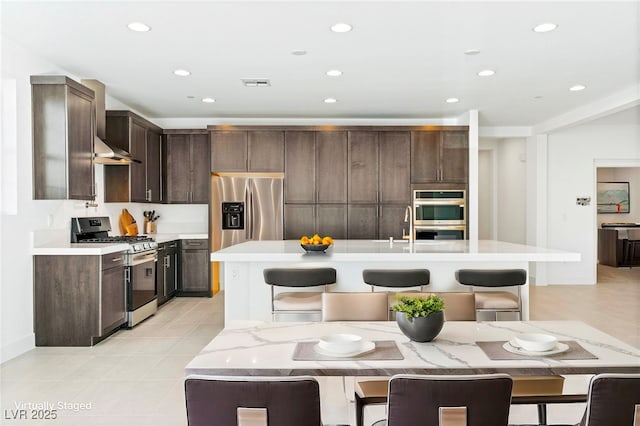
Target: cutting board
(127, 223)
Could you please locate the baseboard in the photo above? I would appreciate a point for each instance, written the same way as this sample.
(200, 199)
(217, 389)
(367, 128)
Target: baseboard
(17, 347)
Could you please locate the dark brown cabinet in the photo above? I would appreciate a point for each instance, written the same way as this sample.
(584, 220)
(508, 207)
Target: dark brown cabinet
(439, 156)
(363, 166)
(309, 219)
(331, 167)
(195, 267)
(394, 174)
(362, 221)
(78, 300)
(300, 167)
(63, 120)
(167, 270)
(138, 181)
(391, 221)
(186, 170)
(247, 151)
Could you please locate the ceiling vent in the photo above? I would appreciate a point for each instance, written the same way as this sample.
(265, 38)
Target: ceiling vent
(256, 82)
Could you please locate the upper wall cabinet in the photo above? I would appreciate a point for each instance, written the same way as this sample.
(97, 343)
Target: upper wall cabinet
(138, 181)
(186, 173)
(247, 151)
(439, 156)
(63, 112)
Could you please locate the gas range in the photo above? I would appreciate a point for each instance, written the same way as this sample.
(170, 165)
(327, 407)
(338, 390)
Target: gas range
(96, 230)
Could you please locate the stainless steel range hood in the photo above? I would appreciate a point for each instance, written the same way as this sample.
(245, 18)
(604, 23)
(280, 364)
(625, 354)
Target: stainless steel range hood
(104, 153)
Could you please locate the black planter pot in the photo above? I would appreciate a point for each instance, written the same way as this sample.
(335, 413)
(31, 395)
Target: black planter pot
(421, 329)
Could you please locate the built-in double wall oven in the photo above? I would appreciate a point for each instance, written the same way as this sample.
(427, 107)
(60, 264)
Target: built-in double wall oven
(439, 214)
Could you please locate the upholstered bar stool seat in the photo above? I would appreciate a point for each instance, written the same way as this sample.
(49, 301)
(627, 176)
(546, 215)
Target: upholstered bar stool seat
(496, 301)
(298, 301)
(397, 279)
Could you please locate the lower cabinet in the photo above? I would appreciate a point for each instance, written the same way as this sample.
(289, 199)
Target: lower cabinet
(167, 270)
(309, 219)
(194, 268)
(78, 300)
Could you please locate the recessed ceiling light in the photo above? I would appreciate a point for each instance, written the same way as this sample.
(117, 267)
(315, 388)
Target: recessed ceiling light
(341, 27)
(486, 73)
(298, 52)
(330, 101)
(334, 73)
(139, 27)
(577, 88)
(208, 100)
(182, 73)
(545, 28)
(452, 100)
(471, 52)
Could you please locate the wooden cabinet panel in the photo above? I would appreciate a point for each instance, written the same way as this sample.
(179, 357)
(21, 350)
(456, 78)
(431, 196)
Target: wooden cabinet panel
(229, 151)
(200, 168)
(299, 220)
(455, 156)
(300, 167)
(177, 182)
(114, 306)
(425, 154)
(194, 267)
(331, 219)
(391, 221)
(439, 157)
(138, 148)
(138, 182)
(331, 167)
(362, 221)
(153, 167)
(187, 170)
(266, 151)
(395, 160)
(63, 129)
(363, 167)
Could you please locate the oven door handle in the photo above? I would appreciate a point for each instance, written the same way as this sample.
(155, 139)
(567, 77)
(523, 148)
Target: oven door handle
(144, 258)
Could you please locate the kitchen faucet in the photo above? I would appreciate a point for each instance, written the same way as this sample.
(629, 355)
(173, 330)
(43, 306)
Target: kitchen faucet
(408, 217)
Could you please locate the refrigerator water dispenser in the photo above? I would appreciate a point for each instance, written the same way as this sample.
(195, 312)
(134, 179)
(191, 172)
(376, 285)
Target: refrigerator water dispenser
(233, 215)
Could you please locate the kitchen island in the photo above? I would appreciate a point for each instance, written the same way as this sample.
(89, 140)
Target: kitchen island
(247, 297)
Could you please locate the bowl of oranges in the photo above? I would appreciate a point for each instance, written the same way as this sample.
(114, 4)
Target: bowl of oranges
(316, 243)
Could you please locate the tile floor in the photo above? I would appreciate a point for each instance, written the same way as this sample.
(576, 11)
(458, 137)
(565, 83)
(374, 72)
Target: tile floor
(136, 376)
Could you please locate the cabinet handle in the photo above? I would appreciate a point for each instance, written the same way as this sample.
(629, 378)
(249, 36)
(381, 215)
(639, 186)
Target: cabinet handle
(117, 259)
(168, 259)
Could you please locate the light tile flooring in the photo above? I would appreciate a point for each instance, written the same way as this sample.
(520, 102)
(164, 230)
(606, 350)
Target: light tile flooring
(136, 376)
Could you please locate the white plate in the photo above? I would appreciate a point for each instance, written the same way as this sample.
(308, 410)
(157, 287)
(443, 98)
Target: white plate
(513, 347)
(367, 346)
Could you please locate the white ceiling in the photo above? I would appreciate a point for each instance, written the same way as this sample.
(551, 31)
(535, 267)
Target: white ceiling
(402, 59)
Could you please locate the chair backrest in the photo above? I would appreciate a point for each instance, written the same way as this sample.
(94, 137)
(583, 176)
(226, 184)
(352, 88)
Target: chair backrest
(459, 306)
(223, 401)
(614, 400)
(491, 277)
(396, 278)
(354, 307)
(299, 277)
(476, 400)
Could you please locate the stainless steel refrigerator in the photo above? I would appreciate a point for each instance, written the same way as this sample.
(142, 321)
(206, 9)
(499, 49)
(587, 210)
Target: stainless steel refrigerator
(246, 206)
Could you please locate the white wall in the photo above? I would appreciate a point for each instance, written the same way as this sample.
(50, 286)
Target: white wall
(571, 158)
(502, 190)
(23, 217)
(622, 174)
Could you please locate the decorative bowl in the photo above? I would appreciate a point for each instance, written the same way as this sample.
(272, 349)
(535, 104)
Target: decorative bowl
(536, 342)
(340, 342)
(315, 247)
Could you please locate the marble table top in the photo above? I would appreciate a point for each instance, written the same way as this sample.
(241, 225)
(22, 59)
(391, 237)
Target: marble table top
(255, 348)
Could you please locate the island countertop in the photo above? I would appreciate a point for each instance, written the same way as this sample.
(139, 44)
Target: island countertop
(398, 251)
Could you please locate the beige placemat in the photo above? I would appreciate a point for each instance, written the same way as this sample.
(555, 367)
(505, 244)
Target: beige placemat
(495, 351)
(384, 350)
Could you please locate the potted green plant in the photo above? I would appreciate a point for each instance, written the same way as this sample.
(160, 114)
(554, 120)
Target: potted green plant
(420, 318)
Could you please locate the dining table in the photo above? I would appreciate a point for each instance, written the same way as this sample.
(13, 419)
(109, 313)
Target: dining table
(263, 348)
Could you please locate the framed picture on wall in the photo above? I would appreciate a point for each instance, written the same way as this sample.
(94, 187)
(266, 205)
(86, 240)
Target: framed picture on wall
(613, 197)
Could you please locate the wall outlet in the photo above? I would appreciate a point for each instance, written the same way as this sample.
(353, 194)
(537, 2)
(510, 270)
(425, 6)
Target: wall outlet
(583, 201)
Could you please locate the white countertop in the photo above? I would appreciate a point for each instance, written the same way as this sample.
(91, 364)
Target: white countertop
(60, 247)
(247, 348)
(371, 250)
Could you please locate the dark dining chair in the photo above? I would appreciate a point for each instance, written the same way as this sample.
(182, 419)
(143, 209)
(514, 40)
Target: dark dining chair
(473, 400)
(613, 400)
(302, 301)
(252, 401)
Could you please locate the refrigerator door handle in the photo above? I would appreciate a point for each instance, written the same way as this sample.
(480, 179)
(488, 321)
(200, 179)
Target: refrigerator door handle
(248, 212)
